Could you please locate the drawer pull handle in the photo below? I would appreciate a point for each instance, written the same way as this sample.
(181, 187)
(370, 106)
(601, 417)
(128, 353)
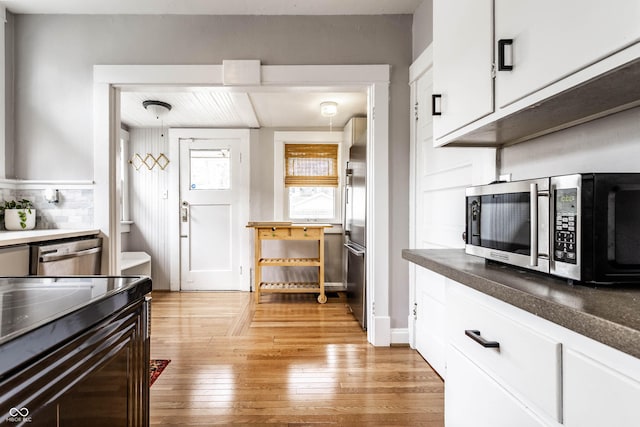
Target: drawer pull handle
(475, 335)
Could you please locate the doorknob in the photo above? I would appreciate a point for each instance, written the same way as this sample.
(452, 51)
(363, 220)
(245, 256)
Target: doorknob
(185, 211)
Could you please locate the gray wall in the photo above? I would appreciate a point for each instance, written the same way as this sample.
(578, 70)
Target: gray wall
(422, 27)
(53, 85)
(56, 53)
(9, 30)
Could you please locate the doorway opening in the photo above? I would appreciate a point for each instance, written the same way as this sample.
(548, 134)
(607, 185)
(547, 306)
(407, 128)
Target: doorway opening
(374, 79)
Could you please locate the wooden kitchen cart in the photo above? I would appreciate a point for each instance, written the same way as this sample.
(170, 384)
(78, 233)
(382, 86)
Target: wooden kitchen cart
(288, 231)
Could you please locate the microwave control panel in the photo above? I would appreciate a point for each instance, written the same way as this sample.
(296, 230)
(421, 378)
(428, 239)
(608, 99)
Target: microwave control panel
(565, 225)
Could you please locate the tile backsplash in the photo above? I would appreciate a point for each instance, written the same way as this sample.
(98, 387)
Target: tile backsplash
(73, 211)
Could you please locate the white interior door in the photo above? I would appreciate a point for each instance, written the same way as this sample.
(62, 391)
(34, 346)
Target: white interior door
(214, 210)
(439, 178)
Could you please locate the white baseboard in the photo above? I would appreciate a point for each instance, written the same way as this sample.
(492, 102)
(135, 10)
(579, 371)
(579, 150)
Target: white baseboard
(400, 336)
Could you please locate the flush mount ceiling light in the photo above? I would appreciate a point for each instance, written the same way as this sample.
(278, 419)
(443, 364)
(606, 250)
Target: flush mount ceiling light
(157, 108)
(328, 109)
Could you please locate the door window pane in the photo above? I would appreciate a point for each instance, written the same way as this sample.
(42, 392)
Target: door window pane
(311, 202)
(210, 169)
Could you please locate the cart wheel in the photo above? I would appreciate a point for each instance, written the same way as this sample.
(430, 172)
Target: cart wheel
(322, 298)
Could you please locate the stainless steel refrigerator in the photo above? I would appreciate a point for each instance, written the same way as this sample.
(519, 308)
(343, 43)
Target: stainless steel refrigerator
(355, 231)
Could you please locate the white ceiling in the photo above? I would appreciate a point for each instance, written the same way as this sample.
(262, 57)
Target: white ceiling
(215, 7)
(206, 107)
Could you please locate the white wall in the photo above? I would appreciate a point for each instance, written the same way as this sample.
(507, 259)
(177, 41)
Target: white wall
(148, 208)
(610, 144)
(53, 87)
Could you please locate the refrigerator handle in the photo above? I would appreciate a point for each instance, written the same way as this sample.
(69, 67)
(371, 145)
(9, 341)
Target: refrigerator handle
(353, 250)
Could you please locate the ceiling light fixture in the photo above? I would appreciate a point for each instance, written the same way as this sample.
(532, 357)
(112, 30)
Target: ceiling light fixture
(328, 109)
(157, 108)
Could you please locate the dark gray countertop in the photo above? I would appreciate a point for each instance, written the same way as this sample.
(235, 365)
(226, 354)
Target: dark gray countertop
(610, 315)
(40, 313)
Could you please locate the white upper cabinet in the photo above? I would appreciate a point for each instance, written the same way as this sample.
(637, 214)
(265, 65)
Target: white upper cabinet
(547, 66)
(553, 39)
(462, 61)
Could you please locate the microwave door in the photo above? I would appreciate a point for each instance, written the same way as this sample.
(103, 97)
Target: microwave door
(508, 222)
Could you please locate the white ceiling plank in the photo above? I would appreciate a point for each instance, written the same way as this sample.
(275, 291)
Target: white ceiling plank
(246, 109)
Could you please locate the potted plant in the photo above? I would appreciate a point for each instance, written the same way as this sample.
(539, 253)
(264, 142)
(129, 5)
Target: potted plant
(18, 214)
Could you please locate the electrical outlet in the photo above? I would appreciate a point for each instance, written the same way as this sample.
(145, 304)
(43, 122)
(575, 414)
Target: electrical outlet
(505, 177)
(165, 194)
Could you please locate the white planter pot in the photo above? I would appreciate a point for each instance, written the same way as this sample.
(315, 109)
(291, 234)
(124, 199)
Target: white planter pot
(13, 222)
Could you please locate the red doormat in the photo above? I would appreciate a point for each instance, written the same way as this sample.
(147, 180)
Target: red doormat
(156, 366)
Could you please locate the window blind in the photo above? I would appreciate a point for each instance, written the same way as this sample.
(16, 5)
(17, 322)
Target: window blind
(311, 165)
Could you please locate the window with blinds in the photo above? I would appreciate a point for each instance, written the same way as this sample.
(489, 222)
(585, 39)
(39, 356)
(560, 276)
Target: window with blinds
(311, 165)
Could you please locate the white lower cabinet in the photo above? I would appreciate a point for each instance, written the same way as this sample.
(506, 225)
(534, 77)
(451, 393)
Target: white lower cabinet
(524, 362)
(429, 314)
(431, 340)
(598, 395)
(506, 367)
(475, 399)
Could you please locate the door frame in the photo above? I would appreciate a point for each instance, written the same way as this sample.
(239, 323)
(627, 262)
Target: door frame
(175, 244)
(108, 79)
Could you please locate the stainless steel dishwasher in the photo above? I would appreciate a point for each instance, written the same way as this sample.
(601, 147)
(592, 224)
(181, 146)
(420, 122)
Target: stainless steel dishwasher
(70, 257)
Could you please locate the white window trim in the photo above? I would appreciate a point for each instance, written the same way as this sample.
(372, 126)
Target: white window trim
(280, 198)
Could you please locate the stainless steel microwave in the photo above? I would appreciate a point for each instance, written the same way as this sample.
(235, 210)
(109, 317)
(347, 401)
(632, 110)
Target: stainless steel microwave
(582, 227)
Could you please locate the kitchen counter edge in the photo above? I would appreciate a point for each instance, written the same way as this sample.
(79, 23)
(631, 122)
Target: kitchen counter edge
(609, 315)
(10, 238)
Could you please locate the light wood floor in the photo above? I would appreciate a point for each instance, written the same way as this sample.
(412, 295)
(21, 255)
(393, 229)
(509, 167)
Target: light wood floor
(286, 362)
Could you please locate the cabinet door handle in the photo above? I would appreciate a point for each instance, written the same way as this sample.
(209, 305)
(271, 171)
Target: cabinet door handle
(502, 43)
(475, 335)
(436, 105)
